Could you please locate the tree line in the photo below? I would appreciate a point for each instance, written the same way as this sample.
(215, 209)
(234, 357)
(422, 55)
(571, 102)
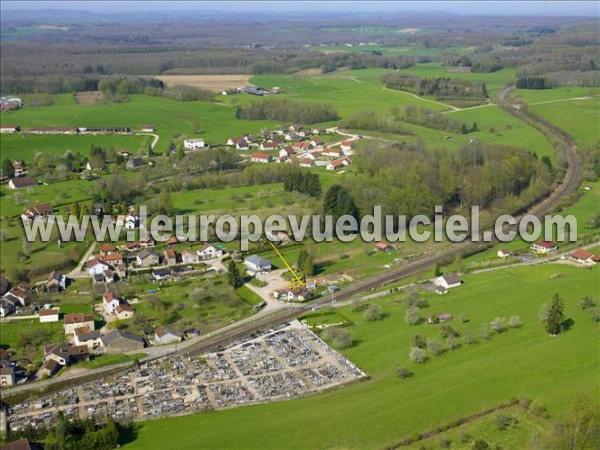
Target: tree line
(440, 87)
(303, 182)
(284, 110)
(69, 434)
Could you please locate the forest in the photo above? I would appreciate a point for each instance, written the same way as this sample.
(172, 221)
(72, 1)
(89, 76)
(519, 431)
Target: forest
(442, 88)
(409, 178)
(284, 110)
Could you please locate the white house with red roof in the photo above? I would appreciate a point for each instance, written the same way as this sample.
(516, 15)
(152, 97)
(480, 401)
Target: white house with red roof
(543, 247)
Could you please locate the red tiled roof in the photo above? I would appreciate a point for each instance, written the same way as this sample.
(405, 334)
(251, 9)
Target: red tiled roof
(582, 254)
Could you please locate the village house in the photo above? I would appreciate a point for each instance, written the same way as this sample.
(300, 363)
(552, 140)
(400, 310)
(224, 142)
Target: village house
(22, 183)
(65, 354)
(72, 321)
(148, 129)
(292, 295)
(108, 249)
(131, 246)
(110, 302)
(19, 168)
(7, 307)
(193, 144)
(583, 256)
(118, 341)
(338, 163)
(346, 146)
(286, 151)
(306, 162)
(255, 264)
(543, 247)
(189, 257)
(87, 337)
(260, 158)
(333, 151)
(56, 283)
(147, 258)
(100, 271)
(161, 274)
(209, 251)
(40, 211)
(131, 221)
(48, 369)
(270, 145)
(124, 311)
(48, 315)
(7, 378)
(165, 335)
(169, 257)
(18, 295)
(317, 142)
(448, 281)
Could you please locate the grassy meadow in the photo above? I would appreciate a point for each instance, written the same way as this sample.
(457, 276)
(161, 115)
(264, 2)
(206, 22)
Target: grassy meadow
(384, 409)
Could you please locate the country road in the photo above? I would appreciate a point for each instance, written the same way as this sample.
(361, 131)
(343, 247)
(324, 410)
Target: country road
(569, 183)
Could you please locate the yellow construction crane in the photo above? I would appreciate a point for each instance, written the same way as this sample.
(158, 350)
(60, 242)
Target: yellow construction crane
(296, 281)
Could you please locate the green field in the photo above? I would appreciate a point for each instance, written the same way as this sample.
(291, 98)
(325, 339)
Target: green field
(382, 410)
(24, 147)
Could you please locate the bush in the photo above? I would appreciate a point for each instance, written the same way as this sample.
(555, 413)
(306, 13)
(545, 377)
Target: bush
(418, 341)
(452, 343)
(447, 331)
(595, 314)
(434, 347)
(464, 437)
(502, 421)
(480, 444)
(417, 355)
(587, 303)
(525, 402)
(462, 317)
(485, 332)
(469, 339)
(374, 312)
(445, 443)
(338, 336)
(540, 411)
(514, 322)
(412, 316)
(498, 325)
(403, 373)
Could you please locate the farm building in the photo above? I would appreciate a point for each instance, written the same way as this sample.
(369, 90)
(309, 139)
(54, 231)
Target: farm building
(118, 341)
(22, 183)
(9, 129)
(193, 144)
(48, 315)
(165, 335)
(256, 264)
(448, 281)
